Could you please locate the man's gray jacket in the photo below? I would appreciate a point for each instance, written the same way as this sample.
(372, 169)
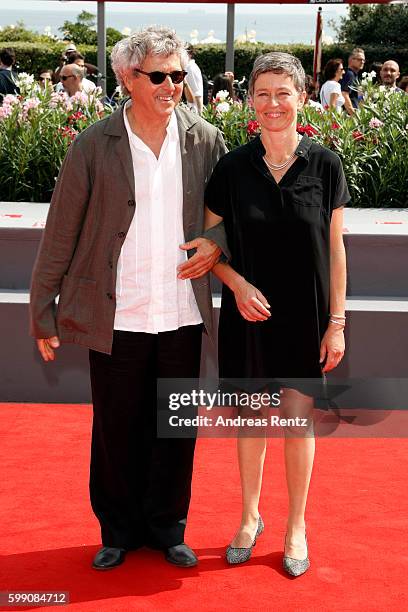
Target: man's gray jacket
(90, 213)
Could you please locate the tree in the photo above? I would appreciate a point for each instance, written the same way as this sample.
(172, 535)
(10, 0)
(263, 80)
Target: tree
(83, 31)
(19, 32)
(374, 24)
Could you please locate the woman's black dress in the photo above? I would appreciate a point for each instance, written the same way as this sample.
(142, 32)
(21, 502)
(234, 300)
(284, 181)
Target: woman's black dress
(279, 238)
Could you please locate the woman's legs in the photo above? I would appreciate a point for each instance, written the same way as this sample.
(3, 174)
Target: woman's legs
(299, 454)
(251, 456)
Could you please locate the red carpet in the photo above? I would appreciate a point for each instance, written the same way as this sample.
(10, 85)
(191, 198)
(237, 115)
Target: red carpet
(357, 526)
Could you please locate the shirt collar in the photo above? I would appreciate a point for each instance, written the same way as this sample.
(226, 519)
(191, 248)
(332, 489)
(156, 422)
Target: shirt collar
(171, 129)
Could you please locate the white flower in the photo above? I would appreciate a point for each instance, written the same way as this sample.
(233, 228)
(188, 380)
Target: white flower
(222, 95)
(222, 107)
(368, 76)
(382, 88)
(24, 79)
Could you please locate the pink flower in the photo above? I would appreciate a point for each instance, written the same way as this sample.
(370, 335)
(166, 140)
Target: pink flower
(58, 98)
(9, 100)
(29, 104)
(375, 123)
(335, 126)
(81, 98)
(5, 111)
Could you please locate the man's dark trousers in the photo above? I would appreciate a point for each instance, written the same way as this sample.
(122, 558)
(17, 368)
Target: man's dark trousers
(140, 485)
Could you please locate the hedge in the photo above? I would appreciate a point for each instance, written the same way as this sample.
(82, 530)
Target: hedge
(34, 57)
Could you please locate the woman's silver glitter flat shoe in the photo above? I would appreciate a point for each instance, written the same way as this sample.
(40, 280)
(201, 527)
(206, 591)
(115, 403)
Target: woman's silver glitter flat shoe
(240, 555)
(296, 567)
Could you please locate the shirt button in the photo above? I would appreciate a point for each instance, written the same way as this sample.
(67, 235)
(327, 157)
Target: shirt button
(109, 295)
(131, 202)
(111, 264)
(121, 235)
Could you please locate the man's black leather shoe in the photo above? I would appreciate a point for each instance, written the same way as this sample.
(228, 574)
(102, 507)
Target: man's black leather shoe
(107, 558)
(181, 555)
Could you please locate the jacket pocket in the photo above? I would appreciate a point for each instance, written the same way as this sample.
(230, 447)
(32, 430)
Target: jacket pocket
(76, 304)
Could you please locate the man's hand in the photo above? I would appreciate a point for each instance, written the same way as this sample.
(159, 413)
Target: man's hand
(202, 261)
(251, 303)
(46, 347)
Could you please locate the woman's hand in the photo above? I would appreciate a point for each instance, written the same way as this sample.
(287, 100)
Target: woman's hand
(252, 305)
(332, 347)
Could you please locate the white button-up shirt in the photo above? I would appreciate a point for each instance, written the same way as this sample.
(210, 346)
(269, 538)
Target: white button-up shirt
(149, 296)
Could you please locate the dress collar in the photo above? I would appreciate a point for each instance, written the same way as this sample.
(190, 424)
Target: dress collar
(302, 150)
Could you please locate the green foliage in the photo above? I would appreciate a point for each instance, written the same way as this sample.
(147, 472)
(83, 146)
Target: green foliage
(211, 58)
(35, 132)
(20, 33)
(372, 144)
(83, 31)
(235, 120)
(374, 24)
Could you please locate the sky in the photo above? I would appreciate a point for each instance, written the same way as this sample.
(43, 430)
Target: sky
(163, 7)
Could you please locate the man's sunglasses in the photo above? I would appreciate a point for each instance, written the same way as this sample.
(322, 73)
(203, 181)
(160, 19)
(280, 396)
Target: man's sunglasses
(157, 77)
(69, 76)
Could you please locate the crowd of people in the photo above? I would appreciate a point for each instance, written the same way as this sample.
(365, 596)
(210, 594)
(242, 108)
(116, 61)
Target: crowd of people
(69, 76)
(338, 89)
(341, 88)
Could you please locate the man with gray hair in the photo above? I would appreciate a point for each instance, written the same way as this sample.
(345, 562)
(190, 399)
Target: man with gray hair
(349, 83)
(129, 194)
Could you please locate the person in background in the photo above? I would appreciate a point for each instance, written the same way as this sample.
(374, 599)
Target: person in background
(330, 94)
(194, 80)
(403, 84)
(71, 78)
(350, 83)
(7, 75)
(223, 82)
(65, 57)
(77, 58)
(389, 74)
(310, 88)
(45, 78)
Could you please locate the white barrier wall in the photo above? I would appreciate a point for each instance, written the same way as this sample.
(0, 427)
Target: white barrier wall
(377, 307)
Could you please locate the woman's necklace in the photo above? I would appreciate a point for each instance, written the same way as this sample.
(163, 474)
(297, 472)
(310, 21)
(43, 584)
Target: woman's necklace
(277, 167)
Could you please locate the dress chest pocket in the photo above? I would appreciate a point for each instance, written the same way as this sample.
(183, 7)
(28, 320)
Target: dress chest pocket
(307, 191)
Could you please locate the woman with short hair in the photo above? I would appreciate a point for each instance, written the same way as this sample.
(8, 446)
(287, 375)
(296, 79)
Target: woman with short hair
(281, 198)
